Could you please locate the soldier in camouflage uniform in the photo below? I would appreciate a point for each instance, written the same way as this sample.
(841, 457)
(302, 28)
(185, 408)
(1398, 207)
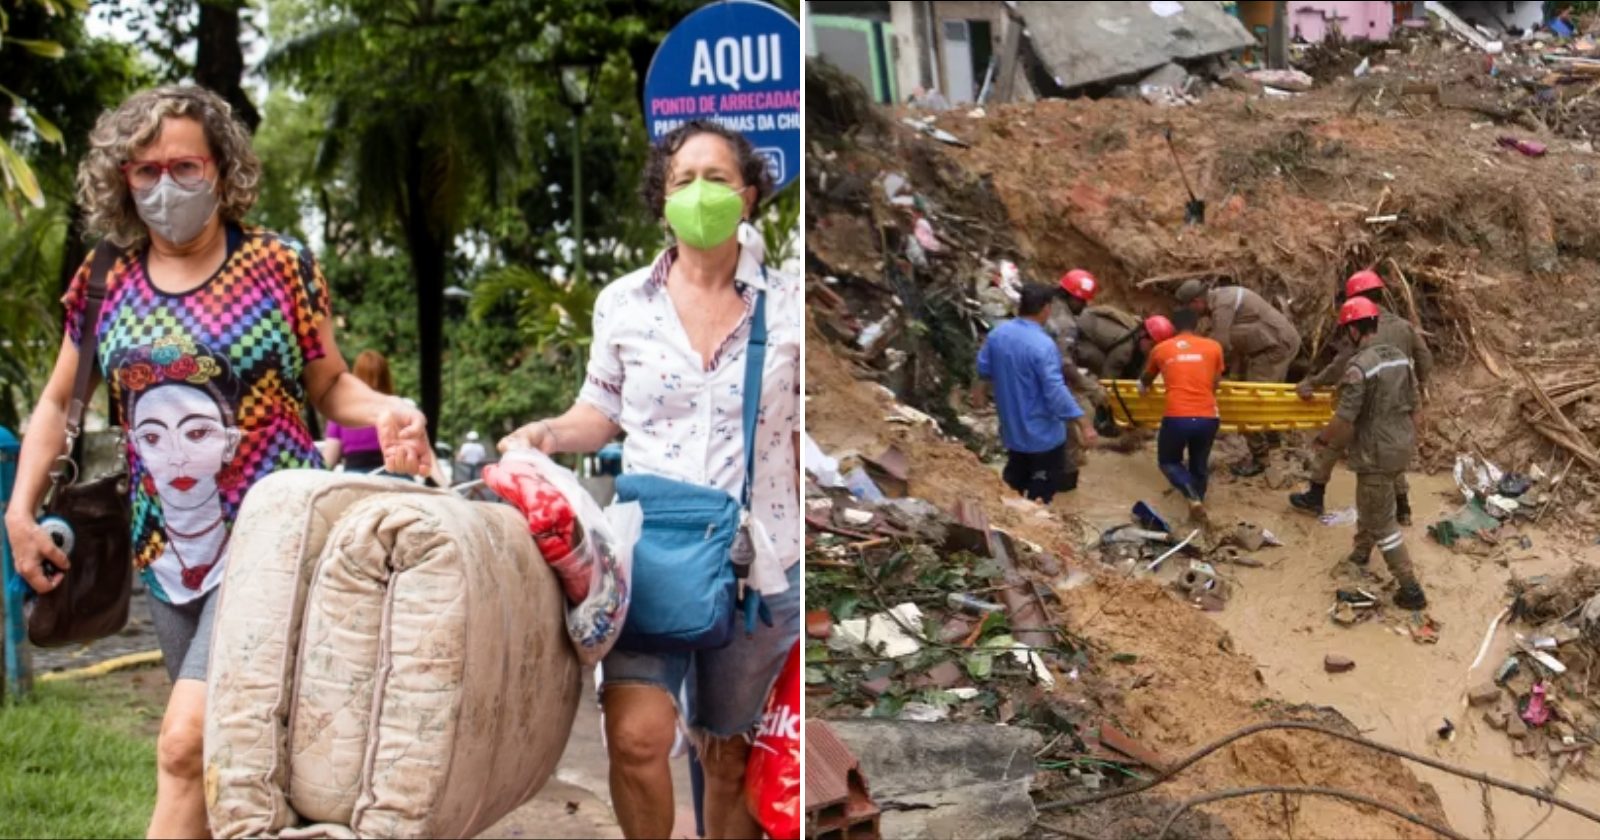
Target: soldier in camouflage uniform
(1377, 398)
(1392, 330)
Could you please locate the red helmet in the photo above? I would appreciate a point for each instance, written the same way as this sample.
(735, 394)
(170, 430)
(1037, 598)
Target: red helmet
(1158, 328)
(1362, 281)
(1357, 309)
(1080, 284)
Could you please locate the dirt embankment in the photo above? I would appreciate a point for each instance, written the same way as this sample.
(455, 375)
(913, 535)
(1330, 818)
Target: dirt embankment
(1187, 687)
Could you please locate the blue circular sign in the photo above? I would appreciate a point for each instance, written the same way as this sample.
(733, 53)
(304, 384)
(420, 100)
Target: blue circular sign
(736, 62)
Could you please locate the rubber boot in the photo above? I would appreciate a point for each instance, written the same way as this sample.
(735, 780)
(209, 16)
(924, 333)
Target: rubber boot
(1197, 513)
(1402, 510)
(1309, 501)
(1251, 467)
(1360, 558)
(1410, 597)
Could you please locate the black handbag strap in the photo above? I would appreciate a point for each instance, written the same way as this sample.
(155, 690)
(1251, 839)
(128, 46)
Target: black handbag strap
(105, 256)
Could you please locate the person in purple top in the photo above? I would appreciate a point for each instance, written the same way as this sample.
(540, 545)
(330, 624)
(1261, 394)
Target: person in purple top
(358, 448)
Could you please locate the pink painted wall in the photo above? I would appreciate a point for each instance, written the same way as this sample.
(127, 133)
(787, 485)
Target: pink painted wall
(1358, 21)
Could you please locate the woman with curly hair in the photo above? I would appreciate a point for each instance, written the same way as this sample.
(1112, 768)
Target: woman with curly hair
(213, 336)
(667, 366)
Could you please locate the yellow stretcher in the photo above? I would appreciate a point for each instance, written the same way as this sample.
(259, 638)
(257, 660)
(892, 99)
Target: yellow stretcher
(1244, 406)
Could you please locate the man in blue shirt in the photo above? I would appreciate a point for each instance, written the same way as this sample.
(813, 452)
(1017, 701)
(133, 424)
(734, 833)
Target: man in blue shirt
(1562, 24)
(1022, 363)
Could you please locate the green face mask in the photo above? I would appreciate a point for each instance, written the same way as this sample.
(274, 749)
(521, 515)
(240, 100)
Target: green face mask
(704, 214)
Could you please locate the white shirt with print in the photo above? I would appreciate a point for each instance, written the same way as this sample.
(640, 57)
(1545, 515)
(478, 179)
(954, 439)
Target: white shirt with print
(685, 422)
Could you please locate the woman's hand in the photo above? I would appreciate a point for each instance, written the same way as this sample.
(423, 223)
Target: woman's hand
(536, 435)
(403, 435)
(31, 548)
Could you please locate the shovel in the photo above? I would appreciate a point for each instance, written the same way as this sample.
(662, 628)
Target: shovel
(1194, 212)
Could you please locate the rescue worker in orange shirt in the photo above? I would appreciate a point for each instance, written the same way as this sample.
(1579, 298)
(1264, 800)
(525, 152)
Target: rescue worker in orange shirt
(1259, 342)
(1191, 367)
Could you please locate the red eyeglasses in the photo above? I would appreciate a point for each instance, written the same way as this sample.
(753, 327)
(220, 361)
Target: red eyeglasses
(144, 174)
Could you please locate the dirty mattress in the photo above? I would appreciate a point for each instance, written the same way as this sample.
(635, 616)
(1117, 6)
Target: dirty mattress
(387, 661)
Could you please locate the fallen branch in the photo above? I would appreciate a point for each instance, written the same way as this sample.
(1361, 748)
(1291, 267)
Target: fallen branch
(1197, 755)
(1184, 807)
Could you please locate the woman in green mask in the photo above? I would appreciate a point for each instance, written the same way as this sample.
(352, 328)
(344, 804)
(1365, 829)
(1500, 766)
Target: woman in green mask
(668, 367)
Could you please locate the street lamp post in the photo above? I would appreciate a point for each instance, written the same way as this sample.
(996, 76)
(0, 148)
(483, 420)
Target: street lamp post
(577, 86)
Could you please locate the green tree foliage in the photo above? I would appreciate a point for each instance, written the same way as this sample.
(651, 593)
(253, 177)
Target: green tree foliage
(55, 81)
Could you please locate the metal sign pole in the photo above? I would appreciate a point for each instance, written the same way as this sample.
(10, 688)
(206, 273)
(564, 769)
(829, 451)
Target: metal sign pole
(18, 670)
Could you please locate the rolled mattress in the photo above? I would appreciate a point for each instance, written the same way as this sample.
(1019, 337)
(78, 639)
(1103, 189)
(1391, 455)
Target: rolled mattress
(388, 661)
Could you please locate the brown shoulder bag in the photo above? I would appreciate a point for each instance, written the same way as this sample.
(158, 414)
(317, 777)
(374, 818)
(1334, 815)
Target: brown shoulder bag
(91, 601)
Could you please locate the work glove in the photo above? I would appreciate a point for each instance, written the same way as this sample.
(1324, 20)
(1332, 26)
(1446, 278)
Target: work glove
(550, 517)
(1303, 390)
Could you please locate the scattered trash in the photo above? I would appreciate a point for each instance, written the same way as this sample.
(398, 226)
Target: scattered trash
(926, 126)
(925, 236)
(973, 606)
(1533, 710)
(862, 486)
(1501, 507)
(1515, 484)
(1507, 670)
(1470, 520)
(858, 518)
(1447, 730)
(1425, 629)
(1362, 69)
(893, 184)
(1549, 662)
(1285, 80)
(820, 465)
(1147, 518)
(917, 712)
(1530, 148)
(1345, 516)
(883, 632)
(1476, 478)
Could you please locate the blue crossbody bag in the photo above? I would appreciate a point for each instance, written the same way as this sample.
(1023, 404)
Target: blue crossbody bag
(684, 582)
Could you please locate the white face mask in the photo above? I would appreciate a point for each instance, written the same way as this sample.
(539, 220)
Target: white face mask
(174, 212)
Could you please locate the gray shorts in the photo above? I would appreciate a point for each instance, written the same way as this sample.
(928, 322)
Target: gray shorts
(184, 633)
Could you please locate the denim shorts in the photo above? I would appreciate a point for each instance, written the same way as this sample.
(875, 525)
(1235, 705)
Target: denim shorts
(730, 685)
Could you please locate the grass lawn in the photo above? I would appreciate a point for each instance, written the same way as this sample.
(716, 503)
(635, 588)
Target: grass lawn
(78, 759)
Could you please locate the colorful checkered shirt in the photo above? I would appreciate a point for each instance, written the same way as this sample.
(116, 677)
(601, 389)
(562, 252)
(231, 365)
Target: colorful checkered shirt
(242, 339)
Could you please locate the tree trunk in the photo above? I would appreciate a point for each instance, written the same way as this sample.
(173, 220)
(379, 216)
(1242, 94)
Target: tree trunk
(428, 269)
(219, 58)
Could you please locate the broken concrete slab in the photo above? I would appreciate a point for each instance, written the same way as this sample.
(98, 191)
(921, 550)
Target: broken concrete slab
(946, 780)
(1169, 76)
(1088, 43)
(1496, 718)
(1516, 727)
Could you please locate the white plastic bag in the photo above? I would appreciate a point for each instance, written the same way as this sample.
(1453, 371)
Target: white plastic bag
(594, 622)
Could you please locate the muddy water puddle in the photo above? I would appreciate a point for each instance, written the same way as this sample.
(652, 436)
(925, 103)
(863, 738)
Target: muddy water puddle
(1400, 691)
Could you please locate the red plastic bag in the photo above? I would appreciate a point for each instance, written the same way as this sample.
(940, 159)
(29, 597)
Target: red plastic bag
(772, 778)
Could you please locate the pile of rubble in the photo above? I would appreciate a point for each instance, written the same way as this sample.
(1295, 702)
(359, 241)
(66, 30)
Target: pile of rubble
(1543, 695)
